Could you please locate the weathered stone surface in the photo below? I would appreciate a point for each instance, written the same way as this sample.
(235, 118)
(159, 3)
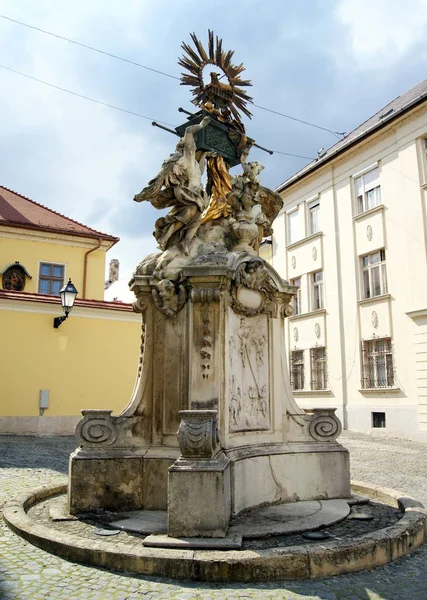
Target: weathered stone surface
(165, 541)
(145, 522)
(113, 483)
(199, 503)
(289, 518)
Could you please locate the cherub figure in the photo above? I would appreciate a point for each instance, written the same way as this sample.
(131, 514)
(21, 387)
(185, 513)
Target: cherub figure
(254, 276)
(169, 297)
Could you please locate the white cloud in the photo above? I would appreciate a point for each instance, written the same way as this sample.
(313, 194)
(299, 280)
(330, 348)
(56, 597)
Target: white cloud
(81, 153)
(382, 31)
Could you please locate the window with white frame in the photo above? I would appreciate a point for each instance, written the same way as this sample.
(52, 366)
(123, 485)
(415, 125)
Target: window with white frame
(374, 274)
(296, 300)
(367, 190)
(377, 363)
(51, 278)
(297, 369)
(317, 290)
(318, 372)
(313, 217)
(292, 227)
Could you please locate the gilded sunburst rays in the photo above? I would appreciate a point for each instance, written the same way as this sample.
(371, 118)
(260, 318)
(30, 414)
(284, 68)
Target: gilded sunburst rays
(222, 95)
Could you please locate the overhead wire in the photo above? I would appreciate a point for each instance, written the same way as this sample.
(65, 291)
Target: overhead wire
(124, 110)
(57, 87)
(140, 65)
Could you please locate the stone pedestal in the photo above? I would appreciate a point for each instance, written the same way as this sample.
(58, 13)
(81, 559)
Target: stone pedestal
(199, 495)
(213, 365)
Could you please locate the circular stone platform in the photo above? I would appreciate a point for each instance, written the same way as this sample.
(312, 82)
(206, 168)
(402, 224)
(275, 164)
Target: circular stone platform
(262, 544)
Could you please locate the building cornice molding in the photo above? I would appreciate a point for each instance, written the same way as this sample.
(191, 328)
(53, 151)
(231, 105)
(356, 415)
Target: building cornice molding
(374, 299)
(34, 235)
(305, 240)
(368, 213)
(28, 302)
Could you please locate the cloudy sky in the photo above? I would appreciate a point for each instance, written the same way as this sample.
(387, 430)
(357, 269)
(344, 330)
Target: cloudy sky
(331, 62)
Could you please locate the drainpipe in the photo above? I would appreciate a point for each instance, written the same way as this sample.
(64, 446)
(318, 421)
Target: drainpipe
(85, 265)
(340, 305)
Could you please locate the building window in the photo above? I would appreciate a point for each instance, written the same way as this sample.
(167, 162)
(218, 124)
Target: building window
(296, 300)
(317, 290)
(297, 369)
(377, 363)
(378, 419)
(313, 217)
(318, 368)
(51, 278)
(292, 227)
(374, 275)
(368, 190)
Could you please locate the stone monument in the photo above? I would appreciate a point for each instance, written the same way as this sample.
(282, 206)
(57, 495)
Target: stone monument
(212, 428)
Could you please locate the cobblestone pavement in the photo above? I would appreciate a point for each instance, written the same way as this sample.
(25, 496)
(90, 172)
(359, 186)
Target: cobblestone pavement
(27, 572)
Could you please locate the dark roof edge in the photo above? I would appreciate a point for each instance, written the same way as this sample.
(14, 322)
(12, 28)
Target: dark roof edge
(294, 178)
(98, 234)
(94, 236)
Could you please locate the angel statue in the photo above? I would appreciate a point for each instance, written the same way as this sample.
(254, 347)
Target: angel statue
(178, 185)
(253, 203)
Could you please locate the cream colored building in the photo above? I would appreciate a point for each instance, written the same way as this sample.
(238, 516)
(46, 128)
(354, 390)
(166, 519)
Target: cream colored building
(353, 236)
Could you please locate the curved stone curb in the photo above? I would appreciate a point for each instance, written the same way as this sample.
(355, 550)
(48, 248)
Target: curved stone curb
(297, 562)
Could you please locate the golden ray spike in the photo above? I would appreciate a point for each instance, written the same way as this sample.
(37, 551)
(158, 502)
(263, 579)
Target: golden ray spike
(218, 51)
(199, 47)
(228, 57)
(188, 64)
(211, 45)
(193, 55)
(189, 80)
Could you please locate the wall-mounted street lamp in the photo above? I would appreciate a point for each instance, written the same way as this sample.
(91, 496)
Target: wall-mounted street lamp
(68, 294)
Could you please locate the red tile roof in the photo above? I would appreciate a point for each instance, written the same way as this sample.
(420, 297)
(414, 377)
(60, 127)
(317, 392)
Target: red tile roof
(18, 211)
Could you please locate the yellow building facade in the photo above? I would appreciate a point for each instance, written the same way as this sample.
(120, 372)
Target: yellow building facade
(90, 361)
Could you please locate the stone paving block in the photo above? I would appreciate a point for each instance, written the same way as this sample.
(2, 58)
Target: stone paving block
(27, 463)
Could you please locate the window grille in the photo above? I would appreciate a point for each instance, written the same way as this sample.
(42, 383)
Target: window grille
(297, 369)
(318, 368)
(377, 363)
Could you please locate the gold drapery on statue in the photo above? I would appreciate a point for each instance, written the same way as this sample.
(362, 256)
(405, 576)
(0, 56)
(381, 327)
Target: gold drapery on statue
(220, 183)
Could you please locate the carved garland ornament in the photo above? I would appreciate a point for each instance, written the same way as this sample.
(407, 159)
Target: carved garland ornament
(198, 433)
(206, 341)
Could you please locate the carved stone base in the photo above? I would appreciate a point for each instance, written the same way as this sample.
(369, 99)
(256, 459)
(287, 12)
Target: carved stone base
(114, 483)
(199, 497)
(119, 480)
(288, 473)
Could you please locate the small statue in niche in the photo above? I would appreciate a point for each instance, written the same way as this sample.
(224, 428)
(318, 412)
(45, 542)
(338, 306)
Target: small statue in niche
(178, 185)
(169, 297)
